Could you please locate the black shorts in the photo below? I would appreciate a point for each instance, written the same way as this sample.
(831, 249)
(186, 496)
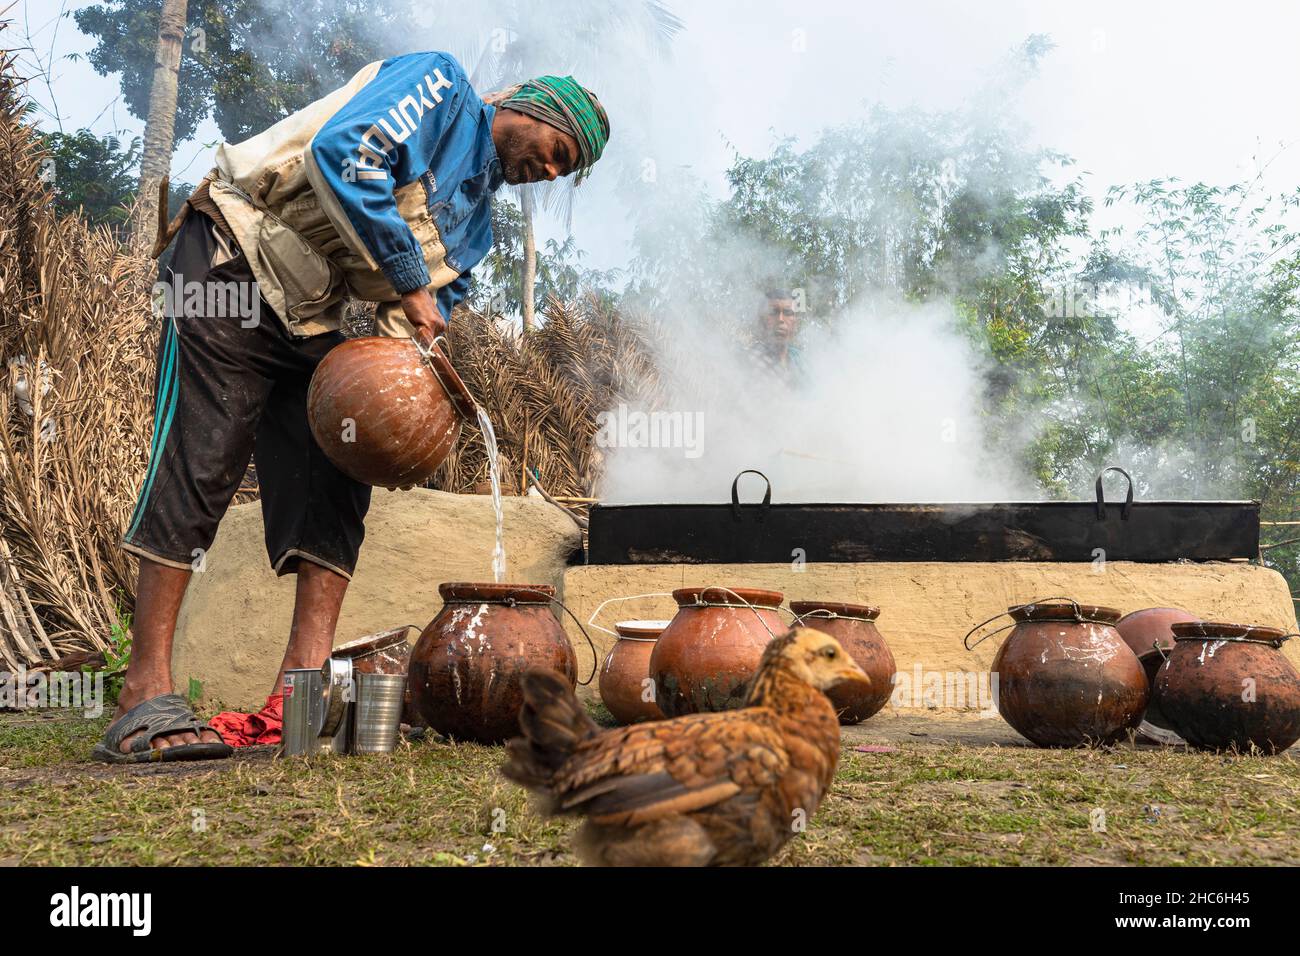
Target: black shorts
(232, 383)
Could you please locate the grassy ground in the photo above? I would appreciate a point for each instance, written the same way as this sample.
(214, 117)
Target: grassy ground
(946, 791)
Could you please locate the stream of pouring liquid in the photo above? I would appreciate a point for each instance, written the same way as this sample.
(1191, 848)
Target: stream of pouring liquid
(490, 441)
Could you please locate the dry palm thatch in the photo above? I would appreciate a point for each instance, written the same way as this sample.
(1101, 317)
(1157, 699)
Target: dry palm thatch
(543, 392)
(76, 367)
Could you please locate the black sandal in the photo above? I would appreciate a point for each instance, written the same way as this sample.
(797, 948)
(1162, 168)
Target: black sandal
(157, 717)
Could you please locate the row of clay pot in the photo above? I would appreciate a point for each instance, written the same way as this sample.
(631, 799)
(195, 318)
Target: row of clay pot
(1067, 674)
(703, 659)
(1070, 674)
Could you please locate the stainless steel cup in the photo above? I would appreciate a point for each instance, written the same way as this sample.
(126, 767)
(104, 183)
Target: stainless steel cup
(302, 693)
(377, 712)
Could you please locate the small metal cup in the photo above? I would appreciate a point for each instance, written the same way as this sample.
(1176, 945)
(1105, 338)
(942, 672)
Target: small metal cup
(302, 692)
(377, 712)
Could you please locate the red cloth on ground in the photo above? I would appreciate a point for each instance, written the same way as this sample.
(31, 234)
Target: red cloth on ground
(251, 730)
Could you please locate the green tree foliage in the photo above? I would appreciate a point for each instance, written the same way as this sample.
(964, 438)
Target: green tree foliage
(1217, 412)
(94, 175)
(496, 288)
(247, 63)
(97, 176)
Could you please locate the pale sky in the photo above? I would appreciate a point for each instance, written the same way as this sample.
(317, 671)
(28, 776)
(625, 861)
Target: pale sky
(1134, 90)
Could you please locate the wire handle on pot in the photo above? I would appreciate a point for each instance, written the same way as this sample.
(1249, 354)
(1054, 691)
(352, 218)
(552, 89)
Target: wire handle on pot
(1078, 616)
(437, 360)
(828, 615)
(551, 598)
(1273, 642)
(700, 602)
(591, 621)
(815, 612)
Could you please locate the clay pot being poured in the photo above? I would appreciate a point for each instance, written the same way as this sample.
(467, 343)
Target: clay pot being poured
(1229, 687)
(705, 658)
(625, 676)
(386, 413)
(854, 626)
(1150, 633)
(467, 665)
(1065, 678)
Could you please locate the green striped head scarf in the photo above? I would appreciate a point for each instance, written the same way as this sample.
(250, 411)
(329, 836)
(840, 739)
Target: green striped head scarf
(561, 102)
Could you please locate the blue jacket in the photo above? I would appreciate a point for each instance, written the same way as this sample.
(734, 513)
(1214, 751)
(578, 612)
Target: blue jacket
(387, 179)
(419, 118)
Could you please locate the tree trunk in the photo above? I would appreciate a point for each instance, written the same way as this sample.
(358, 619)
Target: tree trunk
(527, 293)
(160, 126)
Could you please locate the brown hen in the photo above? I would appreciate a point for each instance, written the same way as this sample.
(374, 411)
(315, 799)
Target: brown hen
(724, 789)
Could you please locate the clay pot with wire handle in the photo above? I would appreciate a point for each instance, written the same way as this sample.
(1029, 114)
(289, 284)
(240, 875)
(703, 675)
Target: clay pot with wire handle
(466, 668)
(706, 657)
(625, 676)
(1229, 687)
(1064, 676)
(1150, 633)
(854, 626)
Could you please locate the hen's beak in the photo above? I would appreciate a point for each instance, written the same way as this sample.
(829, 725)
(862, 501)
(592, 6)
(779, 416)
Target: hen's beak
(851, 674)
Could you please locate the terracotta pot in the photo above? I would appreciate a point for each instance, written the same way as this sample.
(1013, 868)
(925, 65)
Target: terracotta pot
(383, 415)
(1065, 678)
(466, 667)
(704, 659)
(854, 626)
(626, 672)
(1228, 686)
(387, 652)
(1143, 630)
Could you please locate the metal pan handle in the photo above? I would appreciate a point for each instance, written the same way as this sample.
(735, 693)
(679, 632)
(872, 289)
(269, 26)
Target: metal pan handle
(1101, 497)
(735, 493)
(337, 692)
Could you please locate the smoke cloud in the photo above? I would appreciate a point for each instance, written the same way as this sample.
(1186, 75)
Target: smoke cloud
(888, 410)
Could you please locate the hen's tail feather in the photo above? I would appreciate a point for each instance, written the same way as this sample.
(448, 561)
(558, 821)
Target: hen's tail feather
(553, 724)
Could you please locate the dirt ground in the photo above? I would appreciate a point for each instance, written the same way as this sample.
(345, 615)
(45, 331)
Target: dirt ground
(924, 788)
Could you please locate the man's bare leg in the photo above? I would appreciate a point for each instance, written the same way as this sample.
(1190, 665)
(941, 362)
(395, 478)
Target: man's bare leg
(315, 616)
(158, 594)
